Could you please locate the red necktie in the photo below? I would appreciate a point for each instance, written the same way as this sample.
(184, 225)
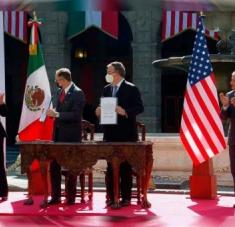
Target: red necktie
(62, 95)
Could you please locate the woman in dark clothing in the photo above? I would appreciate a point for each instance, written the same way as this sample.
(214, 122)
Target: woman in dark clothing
(3, 178)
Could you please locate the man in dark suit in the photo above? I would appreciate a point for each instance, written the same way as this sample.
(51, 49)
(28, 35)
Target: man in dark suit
(129, 106)
(67, 128)
(228, 113)
(3, 178)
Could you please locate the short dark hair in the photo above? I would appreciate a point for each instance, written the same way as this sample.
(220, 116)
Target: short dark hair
(65, 73)
(119, 67)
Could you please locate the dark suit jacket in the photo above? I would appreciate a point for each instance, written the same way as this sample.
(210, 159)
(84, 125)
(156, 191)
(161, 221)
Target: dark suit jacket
(68, 124)
(3, 111)
(130, 100)
(229, 114)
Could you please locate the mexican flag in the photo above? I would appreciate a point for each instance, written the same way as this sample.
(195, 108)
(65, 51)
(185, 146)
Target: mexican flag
(107, 21)
(37, 93)
(102, 14)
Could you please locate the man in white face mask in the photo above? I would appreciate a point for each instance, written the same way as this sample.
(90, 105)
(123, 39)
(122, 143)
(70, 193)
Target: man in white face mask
(129, 105)
(109, 78)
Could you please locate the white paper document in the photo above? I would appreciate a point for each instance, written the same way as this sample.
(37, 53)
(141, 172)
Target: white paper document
(47, 105)
(108, 113)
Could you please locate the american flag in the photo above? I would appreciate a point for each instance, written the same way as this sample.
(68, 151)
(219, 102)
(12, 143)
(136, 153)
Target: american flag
(174, 22)
(15, 24)
(201, 129)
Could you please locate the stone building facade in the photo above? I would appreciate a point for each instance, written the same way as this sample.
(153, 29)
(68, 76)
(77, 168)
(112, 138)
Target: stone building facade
(145, 27)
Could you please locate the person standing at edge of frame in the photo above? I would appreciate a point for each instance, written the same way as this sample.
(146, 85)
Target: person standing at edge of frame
(228, 113)
(3, 134)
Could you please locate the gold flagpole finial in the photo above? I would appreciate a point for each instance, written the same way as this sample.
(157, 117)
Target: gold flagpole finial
(34, 16)
(202, 14)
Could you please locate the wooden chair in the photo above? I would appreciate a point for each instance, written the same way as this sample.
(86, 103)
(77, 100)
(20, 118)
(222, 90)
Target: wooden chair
(141, 137)
(88, 131)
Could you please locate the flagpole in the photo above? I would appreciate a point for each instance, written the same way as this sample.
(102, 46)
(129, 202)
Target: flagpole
(34, 16)
(201, 142)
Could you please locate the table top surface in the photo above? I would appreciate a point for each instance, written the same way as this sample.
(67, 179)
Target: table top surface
(85, 143)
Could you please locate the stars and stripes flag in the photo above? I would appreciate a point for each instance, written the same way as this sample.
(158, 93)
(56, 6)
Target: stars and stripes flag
(174, 22)
(201, 129)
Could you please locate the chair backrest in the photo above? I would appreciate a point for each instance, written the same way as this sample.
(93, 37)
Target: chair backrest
(141, 131)
(87, 129)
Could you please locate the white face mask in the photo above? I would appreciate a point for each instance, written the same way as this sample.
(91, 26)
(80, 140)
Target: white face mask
(109, 78)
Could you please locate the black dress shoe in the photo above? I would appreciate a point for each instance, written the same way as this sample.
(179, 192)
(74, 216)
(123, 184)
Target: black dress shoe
(4, 198)
(28, 202)
(70, 201)
(54, 201)
(109, 203)
(44, 204)
(125, 202)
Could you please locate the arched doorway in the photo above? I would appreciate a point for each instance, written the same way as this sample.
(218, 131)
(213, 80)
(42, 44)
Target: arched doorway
(16, 58)
(90, 53)
(174, 81)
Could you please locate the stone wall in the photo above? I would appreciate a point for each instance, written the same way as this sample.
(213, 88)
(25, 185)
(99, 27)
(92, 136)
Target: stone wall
(171, 161)
(56, 47)
(145, 25)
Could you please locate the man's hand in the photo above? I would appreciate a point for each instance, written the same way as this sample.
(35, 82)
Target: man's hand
(224, 99)
(17, 138)
(52, 113)
(121, 111)
(233, 101)
(98, 111)
(2, 98)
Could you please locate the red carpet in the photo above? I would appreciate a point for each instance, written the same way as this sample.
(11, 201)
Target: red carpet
(167, 210)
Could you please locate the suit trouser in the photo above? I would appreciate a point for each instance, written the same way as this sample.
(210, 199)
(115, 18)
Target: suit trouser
(3, 178)
(232, 162)
(70, 184)
(125, 181)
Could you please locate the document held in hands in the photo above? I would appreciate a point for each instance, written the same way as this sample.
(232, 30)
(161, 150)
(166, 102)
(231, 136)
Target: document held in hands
(47, 105)
(108, 113)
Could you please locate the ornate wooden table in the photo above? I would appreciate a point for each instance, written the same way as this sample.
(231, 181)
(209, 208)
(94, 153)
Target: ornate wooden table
(77, 157)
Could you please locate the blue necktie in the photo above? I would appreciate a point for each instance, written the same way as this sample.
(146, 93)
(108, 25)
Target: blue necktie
(114, 91)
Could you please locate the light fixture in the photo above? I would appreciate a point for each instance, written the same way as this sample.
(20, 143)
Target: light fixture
(80, 53)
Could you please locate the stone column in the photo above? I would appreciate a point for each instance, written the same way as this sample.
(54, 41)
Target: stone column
(56, 48)
(145, 46)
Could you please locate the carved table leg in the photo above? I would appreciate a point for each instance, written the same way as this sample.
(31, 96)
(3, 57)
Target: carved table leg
(82, 184)
(116, 165)
(90, 184)
(29, 200)
(44, 171)
(145, 178)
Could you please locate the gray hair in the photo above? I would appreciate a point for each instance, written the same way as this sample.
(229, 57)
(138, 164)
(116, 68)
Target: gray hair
(119, 67)
(65, 73)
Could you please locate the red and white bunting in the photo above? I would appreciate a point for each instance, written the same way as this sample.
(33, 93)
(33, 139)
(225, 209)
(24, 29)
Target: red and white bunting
(175, 22)
(15, 24)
